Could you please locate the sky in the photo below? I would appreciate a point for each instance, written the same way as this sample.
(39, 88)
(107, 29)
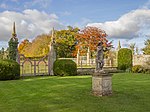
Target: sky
(124, 20)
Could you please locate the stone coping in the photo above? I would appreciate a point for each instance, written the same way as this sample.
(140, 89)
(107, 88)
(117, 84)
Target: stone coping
(102, 73)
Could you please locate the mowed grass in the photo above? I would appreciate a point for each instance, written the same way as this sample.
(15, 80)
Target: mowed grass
(131, 93)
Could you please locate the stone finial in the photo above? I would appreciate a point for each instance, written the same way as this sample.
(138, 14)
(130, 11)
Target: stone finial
(53, 37)
(14, 35)
(119, 45)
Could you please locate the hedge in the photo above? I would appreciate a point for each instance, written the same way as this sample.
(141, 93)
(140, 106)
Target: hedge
(9, 70)
(124, 59)
(65, 67)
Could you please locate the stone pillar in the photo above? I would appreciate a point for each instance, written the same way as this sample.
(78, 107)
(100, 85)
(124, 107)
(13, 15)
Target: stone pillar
(51, 59)
(52, 54)
(118, 48)
(78, 58)
(88, 56)
(102, 84)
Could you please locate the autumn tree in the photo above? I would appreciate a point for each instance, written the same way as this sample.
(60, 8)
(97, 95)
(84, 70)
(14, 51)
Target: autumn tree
(65, 42)
(23, 46)
(146, 49)
(40, 45)
(90, 37)
(37, 48)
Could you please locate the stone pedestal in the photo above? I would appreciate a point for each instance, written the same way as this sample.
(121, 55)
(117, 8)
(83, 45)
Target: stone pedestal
(102, 84)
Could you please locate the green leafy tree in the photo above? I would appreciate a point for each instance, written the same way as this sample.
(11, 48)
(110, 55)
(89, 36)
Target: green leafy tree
(65, 42)
(146, 49)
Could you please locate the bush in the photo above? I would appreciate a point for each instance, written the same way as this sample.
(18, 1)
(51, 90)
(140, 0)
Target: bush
(124, 59)
(137, 69)
(147, 71)
(65, 67)
(9, 70)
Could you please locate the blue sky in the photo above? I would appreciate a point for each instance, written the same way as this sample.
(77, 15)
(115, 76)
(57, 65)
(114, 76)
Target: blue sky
(76, 11)
(34, 17)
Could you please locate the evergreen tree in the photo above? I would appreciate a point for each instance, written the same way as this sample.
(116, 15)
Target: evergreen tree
(13, 45)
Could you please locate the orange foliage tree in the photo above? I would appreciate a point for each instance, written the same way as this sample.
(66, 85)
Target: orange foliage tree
(23, 45)
(90, 37)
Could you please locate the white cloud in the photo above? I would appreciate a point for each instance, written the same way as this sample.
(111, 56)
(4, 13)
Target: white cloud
(128, 26)
(29, 23)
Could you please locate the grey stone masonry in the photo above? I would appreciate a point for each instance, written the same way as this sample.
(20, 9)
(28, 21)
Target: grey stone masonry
(102, 84)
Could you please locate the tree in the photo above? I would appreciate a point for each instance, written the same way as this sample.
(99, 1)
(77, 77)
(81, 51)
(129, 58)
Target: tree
(23, 46)
(2, 53)
(40, 45)
(124, 59)
(37, 48)
(146, 49)
(137, 50)
(13, 45)
(65, 42)
(90, 37)
(132, 47)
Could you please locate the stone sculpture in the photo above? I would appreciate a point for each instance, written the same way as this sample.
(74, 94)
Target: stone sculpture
(99, 57)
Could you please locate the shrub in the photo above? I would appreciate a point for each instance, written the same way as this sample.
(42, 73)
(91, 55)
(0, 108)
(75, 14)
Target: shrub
(9, 70)
(65, 67)
(145, 70)
(137, 69)
(124, 59)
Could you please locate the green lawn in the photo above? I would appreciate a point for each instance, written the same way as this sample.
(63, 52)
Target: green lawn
(131, 93)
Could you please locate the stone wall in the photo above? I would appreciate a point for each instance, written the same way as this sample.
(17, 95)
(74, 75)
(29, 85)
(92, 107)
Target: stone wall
(83, 61)
(141, 60)
(137, 60)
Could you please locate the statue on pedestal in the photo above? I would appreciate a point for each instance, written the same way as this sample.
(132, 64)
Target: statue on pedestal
(101, 80)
